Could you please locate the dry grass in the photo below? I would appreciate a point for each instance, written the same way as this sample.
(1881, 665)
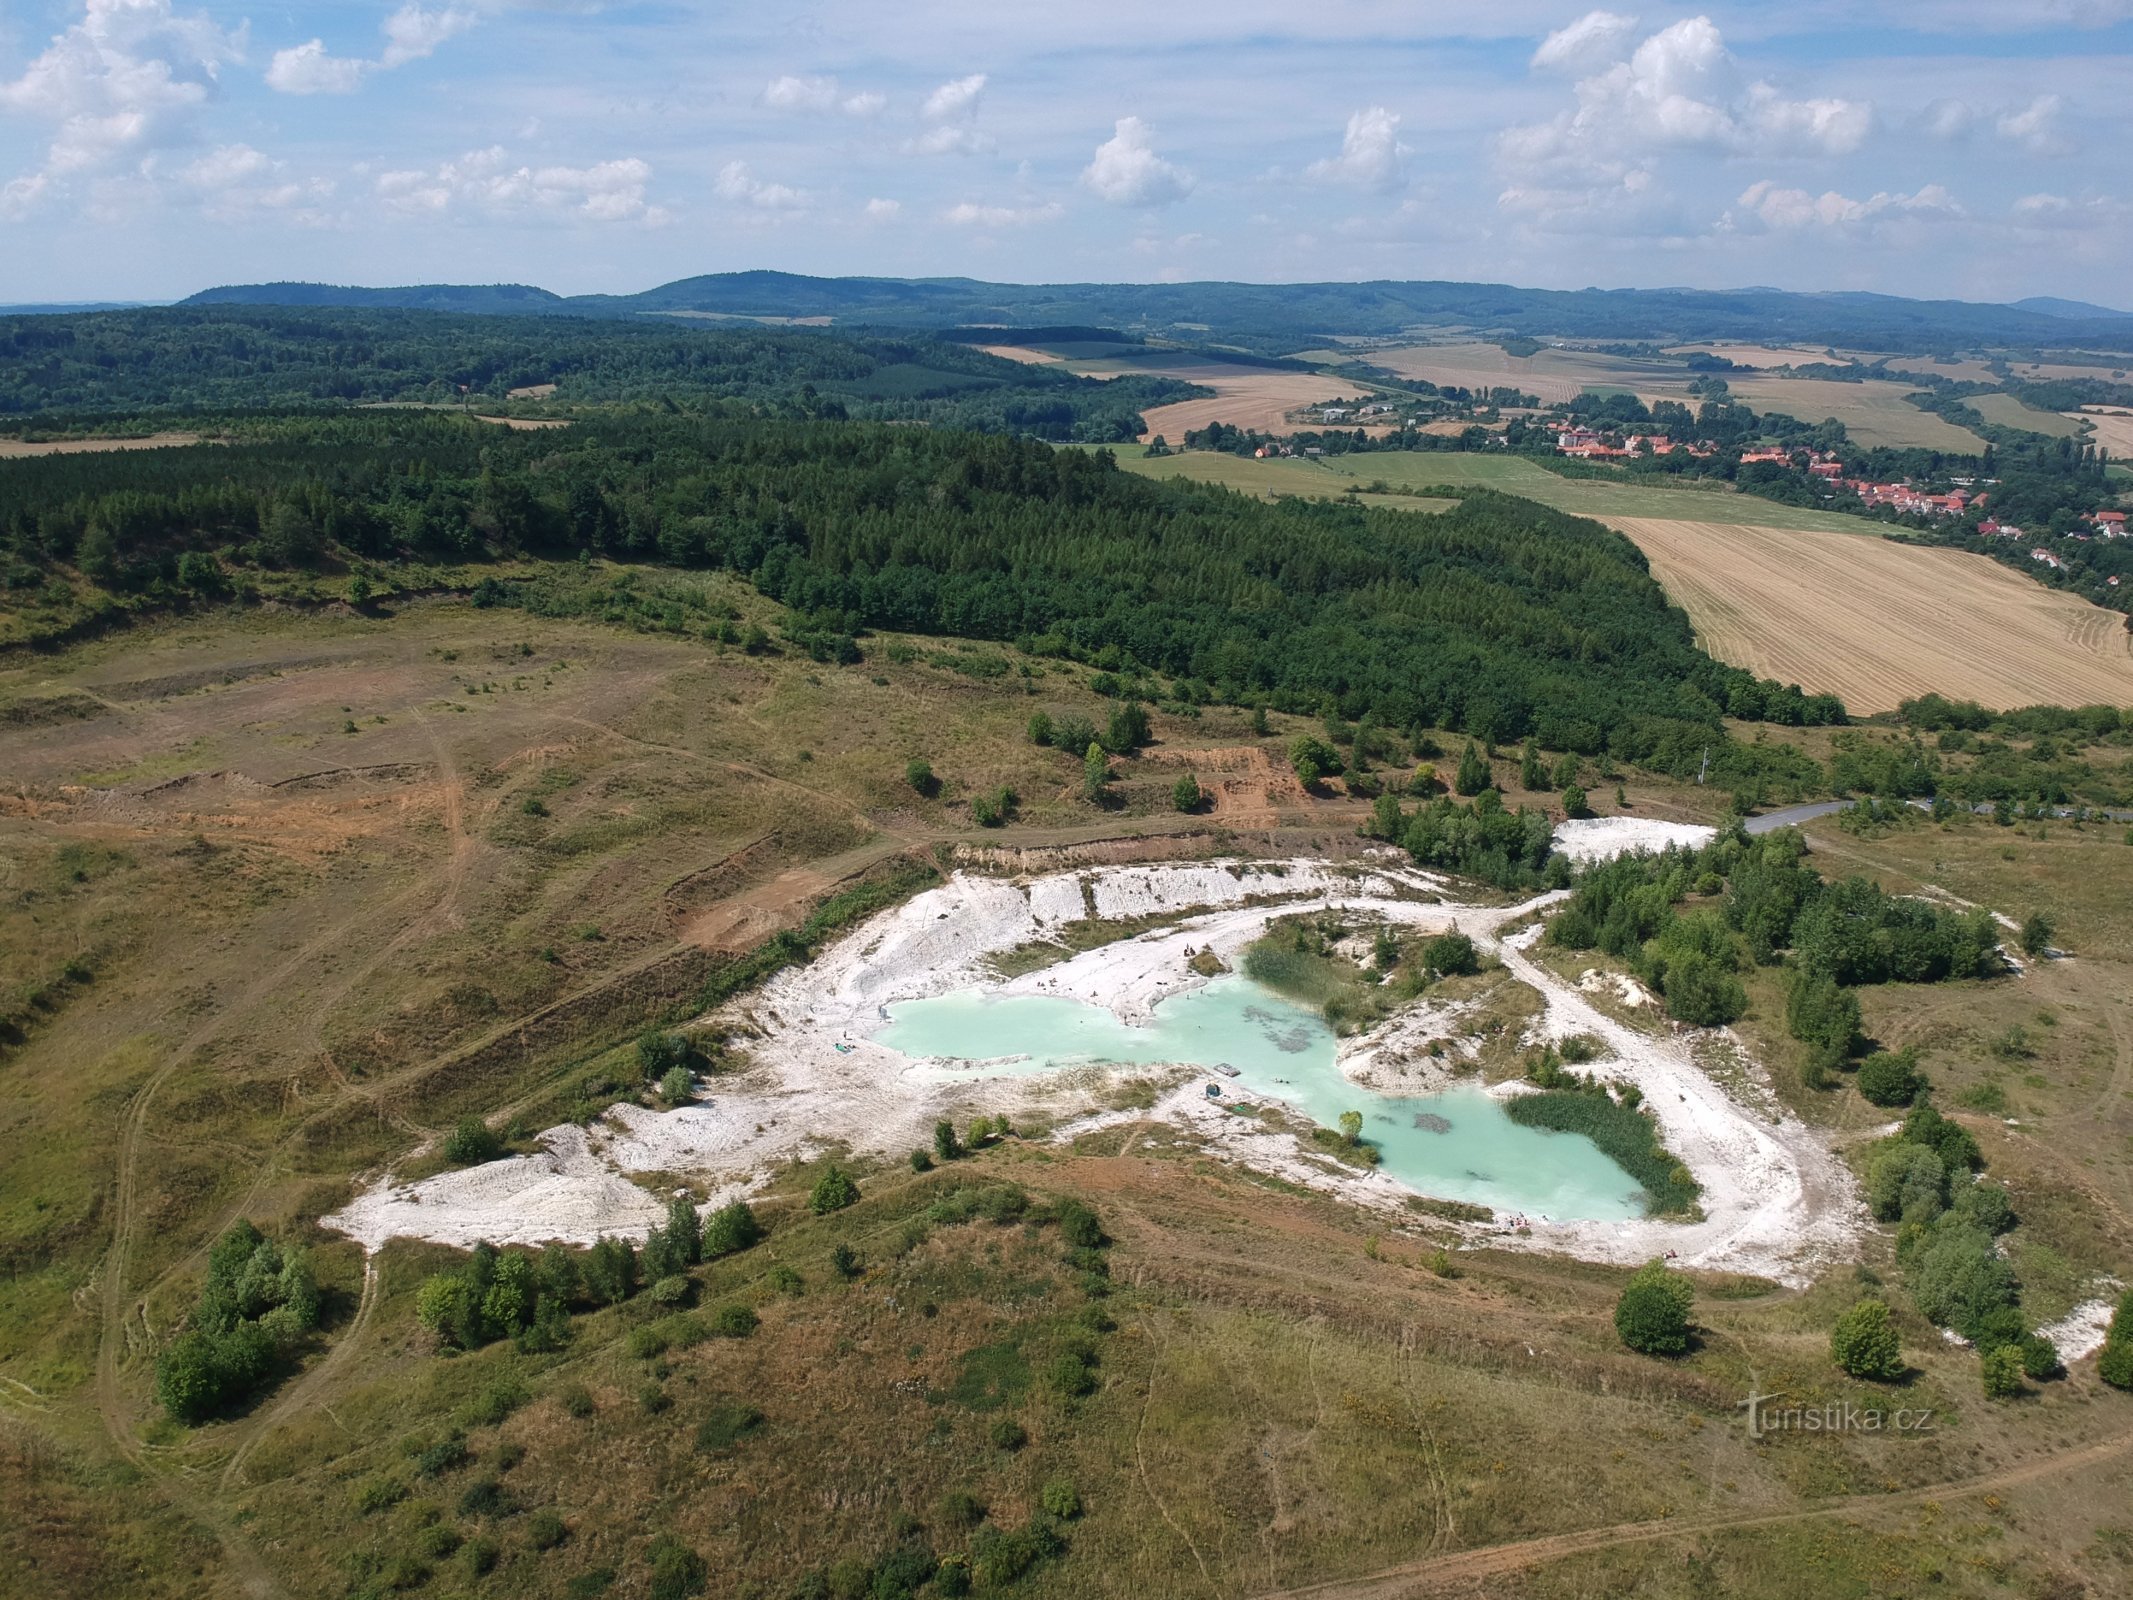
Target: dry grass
(2108, 426)
(18, 449)
(1877, 622)
(1874, 413)
(2009, 412)
(1245, 397)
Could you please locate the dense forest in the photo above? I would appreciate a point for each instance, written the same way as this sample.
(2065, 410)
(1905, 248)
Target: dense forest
(1291, 316)
(215, 358)
(1501, 617)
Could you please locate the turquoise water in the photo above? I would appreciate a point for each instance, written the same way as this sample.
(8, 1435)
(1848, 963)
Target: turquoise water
(1457, 1145)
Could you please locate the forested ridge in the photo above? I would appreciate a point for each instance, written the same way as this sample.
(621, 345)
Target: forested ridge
(1500, 617)
(57, 369)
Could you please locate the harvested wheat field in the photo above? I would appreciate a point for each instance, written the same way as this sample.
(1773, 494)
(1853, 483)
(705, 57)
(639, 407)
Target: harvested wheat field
(18, 449)
(2109, 427)
(1244, 397)
(1877, 622)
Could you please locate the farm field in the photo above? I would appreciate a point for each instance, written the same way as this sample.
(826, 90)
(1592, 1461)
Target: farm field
(1404, 472)
(1552, 375)
(21, 449)
(1244, 397)
(1877, 622)
(1873, 413)
(2010, 412)
(2110, 428)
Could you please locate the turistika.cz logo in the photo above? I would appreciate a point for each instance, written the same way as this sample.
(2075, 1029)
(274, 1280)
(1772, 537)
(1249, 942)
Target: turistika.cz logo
(1766, 1416)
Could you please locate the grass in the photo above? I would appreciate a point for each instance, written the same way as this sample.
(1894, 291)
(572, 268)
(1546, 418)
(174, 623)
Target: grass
(1625, 1136)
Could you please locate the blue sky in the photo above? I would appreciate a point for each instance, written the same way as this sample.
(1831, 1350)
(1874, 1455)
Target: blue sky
(1972, 148)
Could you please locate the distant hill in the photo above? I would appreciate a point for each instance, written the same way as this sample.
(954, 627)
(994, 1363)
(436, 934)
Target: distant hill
(2046, 305)
(1282, 316)
(486, 297)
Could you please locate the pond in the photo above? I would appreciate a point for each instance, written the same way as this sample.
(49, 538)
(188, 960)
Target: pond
(1456, 1145)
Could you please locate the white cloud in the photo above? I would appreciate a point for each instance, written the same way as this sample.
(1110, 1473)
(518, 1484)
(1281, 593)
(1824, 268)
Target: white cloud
(307, 69)
(1596, 39)
(235, 181)
(1946, 119)
(956, 98)
(1773, 207)
(878, 210)
(2057, 212)
(1126, 171)
(1370, 153)
(820, 96)
(412, 34)
(2036, 127)
(736, 183)
(949, 139)
(969, 214)
(126, 80)
(485, 181)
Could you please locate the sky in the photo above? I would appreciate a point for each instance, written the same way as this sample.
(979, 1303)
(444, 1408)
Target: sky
(1976, 149)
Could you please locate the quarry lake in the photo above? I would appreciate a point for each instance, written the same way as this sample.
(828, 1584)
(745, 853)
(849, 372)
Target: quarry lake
(1455, 1145)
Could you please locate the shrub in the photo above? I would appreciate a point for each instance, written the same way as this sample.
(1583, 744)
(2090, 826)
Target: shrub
(1959, 1281)
(1864, 1343)
(481, 1556)
(946, 1146)
(2037, 934)
(379, 1494)
(2001, 1369)
(1070, 1374)
(921, 1161)
(1080, 1226)
(1450, 955)
(1008, 1434)
(442, 1457)
(1986, 1205)
(2115, 1365)
(438, 1541)
(652, 1400)
(734, 1321)
(1185, 794)
(844, 1260)
(1652, 1315)
(1060, 1499)
(677, 1086)
(730, 1229)
(484, 1497)
(471, 1142)
(677, 1571)
(546, 1529)
(576, 1400)
(919, 775)
(833, 1191)
(727, 1425)
(675, 1290)
(998, 1559)
(2040, 1357)
(959, 1508)
(1040, 728)
(1907, 1183)
(1890, 1077)
(1701, 992)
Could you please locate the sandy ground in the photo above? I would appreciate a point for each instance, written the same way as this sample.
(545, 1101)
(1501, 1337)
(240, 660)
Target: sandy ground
(1877, 622)
(1776, 1201)
(1586, 839)
(2080, 1332)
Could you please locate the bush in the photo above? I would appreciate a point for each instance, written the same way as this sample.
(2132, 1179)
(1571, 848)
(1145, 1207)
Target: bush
(677, 1086)
(727, 1425)
(1040, 728)
(2115, 1365)
(1060, 1499)
(1652, 1315)
(481, 1556)
(946, 1146)
(379, 1494)
(546, 1529)
(1080, 1226)
(919, 775)
(1007, 1434)
(677, 1571)
(1959, 1281)
(1450, 955)
(833, 1191)
(576, 1400)
(2040, 1357)
(730, 1229)
(1864, 1344)
(1185, 794)
(734, 1321)
(959, 1508)
(1701, 992)
(660, 1051)
(2037, 934)
(998, 1559)
(471, 1142)
(844, 1261)
(1907, 1183)
(921, 1161)
(1890, 1077)
(1071, 1374)
(442, 1457)
(484, 1497)
(2001, 1369)
(1624, 1134)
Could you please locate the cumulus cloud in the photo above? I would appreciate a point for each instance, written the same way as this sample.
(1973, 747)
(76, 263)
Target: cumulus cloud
(485, 181)
(1679, 88)
(2036, 127)
(956, 98)
(1770, 206)
(820, 96)
(1126, 171)
(125, 81)
(970, 214)
(1946, 119)
(235, 181)
(736, 183)
(2058, 212)
(949, 139)
(411, 34)
(1595, 40)
(308, 69)
(879, 210)
(1371, 152)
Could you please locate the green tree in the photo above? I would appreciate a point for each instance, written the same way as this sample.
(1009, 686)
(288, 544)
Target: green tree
(1473, 775)
(1095, 773)
(1890, 1077)
(1907, 1183)
(1450, 955)
(833, 1191)
(677, 1086)
(1040, 727)
(1565, 774)
(685, 1230)
(1652, 1316)
(1531, 775)
(2001, 1369)
(919, 775)
(1574, 803)
(1701, 992)
(471, 1142)
(730, 1229)
(946, 1146)
(1185, 794)
(1864, 1343)
(1128, 730)
(2037, 933)
(1314, 760)
(1351, 1124)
